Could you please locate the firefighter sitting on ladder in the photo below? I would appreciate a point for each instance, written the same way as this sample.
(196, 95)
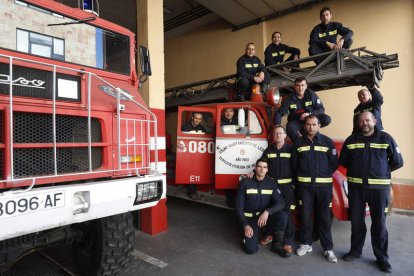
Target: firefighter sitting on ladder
(301, 104)
(259, 204)
(250, 71)
(323, 37)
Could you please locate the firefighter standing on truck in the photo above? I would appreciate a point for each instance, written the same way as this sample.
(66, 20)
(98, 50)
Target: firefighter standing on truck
(259, 204)
(314, 160)
(369, 156)
(369, 100)
(278, 156)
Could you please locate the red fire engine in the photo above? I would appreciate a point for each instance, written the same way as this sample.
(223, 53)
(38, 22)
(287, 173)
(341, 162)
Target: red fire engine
(78, 145)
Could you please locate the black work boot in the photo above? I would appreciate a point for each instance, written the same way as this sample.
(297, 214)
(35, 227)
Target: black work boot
(277, 243)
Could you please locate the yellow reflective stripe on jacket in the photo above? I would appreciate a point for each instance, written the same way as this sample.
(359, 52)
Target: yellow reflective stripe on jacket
(251, 191)
(308, 103)
(323, 179)
(356, 146)
(317, 179)
(370, 181)
(255, 64)
(354, 179)
(306, 148)
(281, 53)
(300, 202)
(334, 32)
(271, 155)
(250, 215)
(293, 106)
(330, 205)
(247, 65)
(378, 146)
(284, 181)
(379, 181)
(292, 207)
(322, 35)
(319, 148)
(267, 192)
(286, 155)
(274, 54)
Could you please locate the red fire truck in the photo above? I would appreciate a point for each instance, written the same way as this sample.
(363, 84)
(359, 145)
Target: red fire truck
(78, 145)
(214, 160)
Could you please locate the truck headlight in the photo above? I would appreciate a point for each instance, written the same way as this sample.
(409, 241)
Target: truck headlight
(148, 191)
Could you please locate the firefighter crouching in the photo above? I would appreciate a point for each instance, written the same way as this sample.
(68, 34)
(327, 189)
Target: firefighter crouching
(278, 156)
(369, 156)
(259, 203)
(314, 159)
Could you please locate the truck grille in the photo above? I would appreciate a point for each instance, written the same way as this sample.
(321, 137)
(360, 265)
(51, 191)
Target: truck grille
(37, 162)
(38, 128)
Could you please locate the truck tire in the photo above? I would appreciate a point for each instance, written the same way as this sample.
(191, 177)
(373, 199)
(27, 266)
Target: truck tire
(106, 246)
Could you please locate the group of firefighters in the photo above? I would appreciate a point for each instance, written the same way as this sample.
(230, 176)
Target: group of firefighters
(302, 171)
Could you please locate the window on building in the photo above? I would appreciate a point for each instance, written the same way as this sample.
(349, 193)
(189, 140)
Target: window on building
(40, 44)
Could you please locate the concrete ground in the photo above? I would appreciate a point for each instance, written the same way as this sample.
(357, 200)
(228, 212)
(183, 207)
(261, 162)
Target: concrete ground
(205, 240)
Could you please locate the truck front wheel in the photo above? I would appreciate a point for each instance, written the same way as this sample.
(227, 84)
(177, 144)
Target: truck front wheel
(106, 246)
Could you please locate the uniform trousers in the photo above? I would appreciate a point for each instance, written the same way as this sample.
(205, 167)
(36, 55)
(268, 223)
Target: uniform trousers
(316, 49)
(288, 194)
(317, 201)
(378, 200)
(275, 223)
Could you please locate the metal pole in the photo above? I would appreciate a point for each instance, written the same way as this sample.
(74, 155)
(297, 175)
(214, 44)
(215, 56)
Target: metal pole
(54, 121)
(89, 124)
(11, 116)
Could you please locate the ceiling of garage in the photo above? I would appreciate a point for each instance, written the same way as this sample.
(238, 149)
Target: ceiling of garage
(181, 16)
(189, 14)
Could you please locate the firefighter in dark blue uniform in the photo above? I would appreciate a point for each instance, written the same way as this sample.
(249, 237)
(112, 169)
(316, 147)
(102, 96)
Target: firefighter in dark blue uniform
(299, 105)
(370, 100)
(278, 156)
(259, 204)
(314, 160)
(323, 37)
(275, 52)
(250, 71)
(369, 156)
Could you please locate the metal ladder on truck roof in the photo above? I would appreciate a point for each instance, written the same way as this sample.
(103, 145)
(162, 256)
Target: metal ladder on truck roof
(339, 68)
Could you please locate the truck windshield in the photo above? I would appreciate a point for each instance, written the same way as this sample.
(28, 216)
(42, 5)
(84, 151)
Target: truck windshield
(40, 32)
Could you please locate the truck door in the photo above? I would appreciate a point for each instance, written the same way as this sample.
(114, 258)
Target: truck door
(195, 146)
(238, 147)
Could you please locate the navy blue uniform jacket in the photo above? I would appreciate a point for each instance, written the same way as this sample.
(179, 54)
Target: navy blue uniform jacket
(296, 107)
(370, 160)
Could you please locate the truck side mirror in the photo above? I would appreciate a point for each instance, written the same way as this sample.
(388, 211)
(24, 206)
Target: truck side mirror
(144, 60)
